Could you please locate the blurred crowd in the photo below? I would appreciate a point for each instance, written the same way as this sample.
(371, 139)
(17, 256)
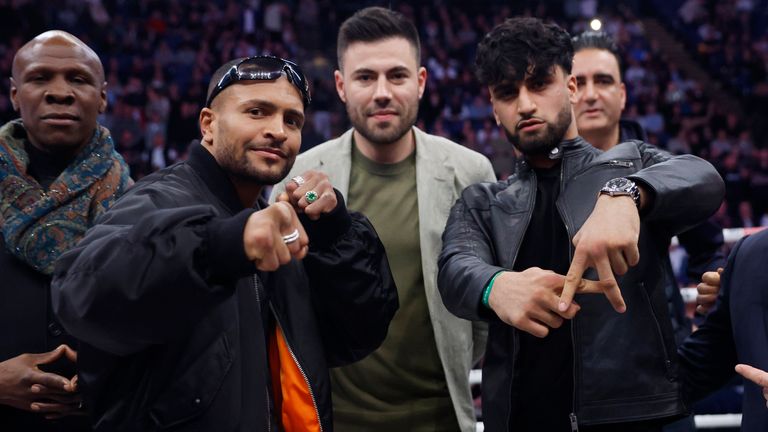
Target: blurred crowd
(159, 55)
(730, 41)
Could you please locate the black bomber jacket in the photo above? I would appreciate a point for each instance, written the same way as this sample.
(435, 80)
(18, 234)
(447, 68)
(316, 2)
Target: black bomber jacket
(176, 324)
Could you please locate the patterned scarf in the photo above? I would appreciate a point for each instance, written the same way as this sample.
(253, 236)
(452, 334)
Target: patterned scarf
(38, 225)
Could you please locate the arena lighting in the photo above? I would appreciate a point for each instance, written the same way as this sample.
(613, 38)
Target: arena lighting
(595, 24)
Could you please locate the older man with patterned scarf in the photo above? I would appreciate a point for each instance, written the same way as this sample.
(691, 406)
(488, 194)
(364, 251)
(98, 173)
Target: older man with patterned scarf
(58, 171)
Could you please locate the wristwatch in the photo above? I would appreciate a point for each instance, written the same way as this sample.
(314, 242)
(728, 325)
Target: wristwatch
(622, 186)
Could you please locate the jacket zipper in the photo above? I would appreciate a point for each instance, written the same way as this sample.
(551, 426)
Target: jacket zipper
(612, 162)
(667, 361)
(625, 164)
(256, 284)
(301, 369)
(615, 162)
(531, 203)
(574, 423)
(515, 340)
(572, 416)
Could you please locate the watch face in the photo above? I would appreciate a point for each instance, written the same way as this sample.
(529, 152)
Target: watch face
(622, 186)
(619, 184)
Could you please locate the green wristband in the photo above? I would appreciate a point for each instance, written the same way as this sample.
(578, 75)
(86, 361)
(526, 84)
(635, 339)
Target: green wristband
(487, 291)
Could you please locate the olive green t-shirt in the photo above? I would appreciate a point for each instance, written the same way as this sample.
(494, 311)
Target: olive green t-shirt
(401, 386)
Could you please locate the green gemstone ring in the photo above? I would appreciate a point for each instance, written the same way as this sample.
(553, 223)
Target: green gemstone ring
(311, 196)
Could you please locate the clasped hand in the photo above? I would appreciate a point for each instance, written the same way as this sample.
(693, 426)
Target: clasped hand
(24, 386)
(707, 291)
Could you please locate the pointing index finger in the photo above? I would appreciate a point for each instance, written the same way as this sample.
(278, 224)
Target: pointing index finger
(753, 374)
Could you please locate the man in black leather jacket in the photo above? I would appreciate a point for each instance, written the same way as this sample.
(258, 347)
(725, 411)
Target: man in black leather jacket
(200, 307)
(552, 364)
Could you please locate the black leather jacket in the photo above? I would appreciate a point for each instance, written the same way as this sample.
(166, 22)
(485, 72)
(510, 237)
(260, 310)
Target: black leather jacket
(625, 366)
(172, 319)
(703, 243)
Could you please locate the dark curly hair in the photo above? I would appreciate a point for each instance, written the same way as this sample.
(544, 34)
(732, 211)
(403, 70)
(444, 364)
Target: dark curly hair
(521, 47)
(598, 40)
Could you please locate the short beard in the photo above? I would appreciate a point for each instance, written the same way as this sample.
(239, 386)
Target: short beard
(552, 136)
(381, 137)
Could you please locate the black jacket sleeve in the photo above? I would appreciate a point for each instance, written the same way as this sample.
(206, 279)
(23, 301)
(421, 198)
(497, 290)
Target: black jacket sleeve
(708, 356)
(685, 189)
(147, 271)
(353, 290)
(467, 261)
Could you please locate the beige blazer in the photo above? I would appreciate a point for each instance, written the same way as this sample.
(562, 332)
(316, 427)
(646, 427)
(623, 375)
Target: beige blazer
(443, 170)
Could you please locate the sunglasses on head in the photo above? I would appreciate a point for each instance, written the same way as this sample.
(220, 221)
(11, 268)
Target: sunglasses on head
(263, 68)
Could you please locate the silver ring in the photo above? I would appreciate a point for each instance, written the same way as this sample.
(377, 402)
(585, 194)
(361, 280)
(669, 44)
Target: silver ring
(299, 180)
(292, 237)
(80, 405)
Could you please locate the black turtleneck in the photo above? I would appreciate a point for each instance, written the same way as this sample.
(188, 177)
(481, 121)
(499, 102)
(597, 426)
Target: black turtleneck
(43, 166)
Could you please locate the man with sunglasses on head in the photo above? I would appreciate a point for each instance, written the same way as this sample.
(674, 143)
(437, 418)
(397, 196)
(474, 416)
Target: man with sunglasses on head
(405, 181)
(201, 307)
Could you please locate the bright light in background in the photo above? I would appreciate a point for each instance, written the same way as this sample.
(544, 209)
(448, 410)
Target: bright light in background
(595, 24)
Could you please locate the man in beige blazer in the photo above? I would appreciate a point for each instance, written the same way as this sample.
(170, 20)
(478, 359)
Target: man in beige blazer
(405, 181)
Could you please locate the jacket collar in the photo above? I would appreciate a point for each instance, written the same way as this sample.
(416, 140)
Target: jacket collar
(566, 148)
(214, 177)
(338, 162)
(430, 161)
(630, 129)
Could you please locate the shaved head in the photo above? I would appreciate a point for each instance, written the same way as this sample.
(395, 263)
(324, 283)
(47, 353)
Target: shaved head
(56, 38)
(58, 88)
